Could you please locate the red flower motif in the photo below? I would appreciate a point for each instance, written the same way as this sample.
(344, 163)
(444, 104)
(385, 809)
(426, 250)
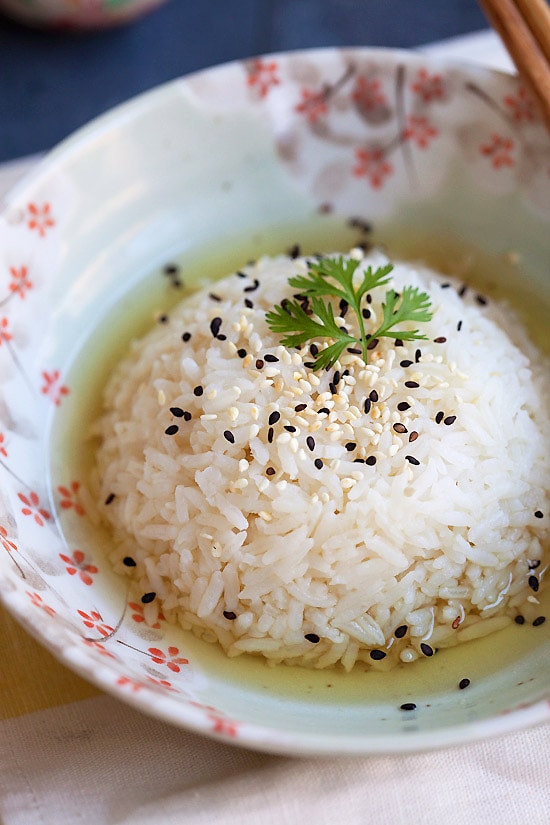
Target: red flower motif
(94, 621)
(368, 94)
(70, 498)
(40, 218)
(499, 151)
(521, 106)
(125, 681)
(19, 282)
(428, 86)
(37, 600)
(162, 683)
(172, 660)
(99, 647)
(372, 165)
(313, 105)
(52, 387)
(420, 130)
(6, 542)
(77, 564)
(138, 616)
(3, 451)
(262, 75)
(224, 726)
(32, 508)
(4, 334)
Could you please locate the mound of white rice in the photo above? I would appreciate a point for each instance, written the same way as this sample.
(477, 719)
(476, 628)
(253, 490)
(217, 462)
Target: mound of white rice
(366, 513)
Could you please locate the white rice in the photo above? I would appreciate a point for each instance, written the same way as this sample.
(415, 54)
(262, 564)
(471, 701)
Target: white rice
(253, 545)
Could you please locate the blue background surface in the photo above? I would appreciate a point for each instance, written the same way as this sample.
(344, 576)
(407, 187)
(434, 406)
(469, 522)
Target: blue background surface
(53, 82)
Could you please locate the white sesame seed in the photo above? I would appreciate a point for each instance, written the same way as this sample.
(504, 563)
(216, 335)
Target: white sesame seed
(212, 394)
(281, 485)
(243, 465)
(240, 484)
(279, 385)
(254, 412)
(348, 482)
(161, 397)
(247, 360)
(272, 372)
(262, 484)
(283, 438)
(208, 417)
(265, 515)
(233, 413)
(253, 431)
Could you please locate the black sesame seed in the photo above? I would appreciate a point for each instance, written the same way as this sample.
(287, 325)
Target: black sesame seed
(294, 251)
(417, 355)
(403, 405)
(271, 358)
(377, 654)
(450, 419)
(481, 300)
(336, 377)
(110, 498)
(412, 385)
(241, 352)
(314, 350)
(274, 417)
(230, 615)
(289, 428)
(368, 298)
(147, 598)
(400, 631)
(170, 269)
(241, 274)
(413, 436)
(519, 620)
(373, 395)
(459, 326)
(177, 411)
(187, 415)
(214, 297)
(128, 561)
(408, 706)
(405, 363)
(253, 287)
(539, 620)
(198, 390)
(463, 290)
(228, 435)
(318, 463)
(412, 460)
(359, 461)
(324, 410)
(270, 435)
(186, 336)
(354, 350)
(366, 313)
(445, 286)
(344, 306)
(533, 583)
(300, 407)
(350, 445)
(259, 363)
(215, 325)
(439, 417)
(371, 460)
(310, 365)
(464, 683)
(248, 303)
(367, 405)
(373, 343)
(399, 428)
(398, 342)
(440, 339)
(172, 429)
(426, 649)
(538, 514)
(333, 388)
(270, 471)
(312, 637)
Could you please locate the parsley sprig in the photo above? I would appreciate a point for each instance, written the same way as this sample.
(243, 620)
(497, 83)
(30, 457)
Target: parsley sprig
(311, 316)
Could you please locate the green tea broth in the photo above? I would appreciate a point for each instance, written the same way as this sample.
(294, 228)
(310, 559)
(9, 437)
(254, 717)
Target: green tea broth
(495, 276)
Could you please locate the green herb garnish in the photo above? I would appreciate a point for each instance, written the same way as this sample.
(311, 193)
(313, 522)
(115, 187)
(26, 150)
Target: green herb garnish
(302, 320)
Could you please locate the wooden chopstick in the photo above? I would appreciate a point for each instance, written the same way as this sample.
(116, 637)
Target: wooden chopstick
(524, 27)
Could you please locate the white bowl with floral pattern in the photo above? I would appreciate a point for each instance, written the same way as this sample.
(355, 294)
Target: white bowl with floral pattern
(237, 160)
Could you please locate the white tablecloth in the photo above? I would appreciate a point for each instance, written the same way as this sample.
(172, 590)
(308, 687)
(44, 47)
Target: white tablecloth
(70, 754)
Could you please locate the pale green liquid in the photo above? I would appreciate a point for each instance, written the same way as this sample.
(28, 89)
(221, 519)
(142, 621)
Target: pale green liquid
(513, 649)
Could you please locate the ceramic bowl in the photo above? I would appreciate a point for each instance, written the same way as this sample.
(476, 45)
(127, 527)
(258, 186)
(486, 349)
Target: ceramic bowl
(77, 14)
(325, 148)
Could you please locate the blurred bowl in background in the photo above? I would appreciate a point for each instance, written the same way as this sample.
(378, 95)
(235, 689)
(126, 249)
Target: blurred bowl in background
(77, 14)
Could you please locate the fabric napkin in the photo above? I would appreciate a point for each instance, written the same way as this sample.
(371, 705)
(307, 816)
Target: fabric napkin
(70, 754)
